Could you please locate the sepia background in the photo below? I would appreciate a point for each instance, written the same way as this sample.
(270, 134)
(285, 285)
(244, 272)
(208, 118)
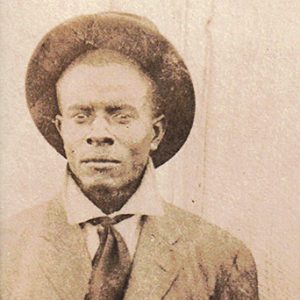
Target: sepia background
(240, 168)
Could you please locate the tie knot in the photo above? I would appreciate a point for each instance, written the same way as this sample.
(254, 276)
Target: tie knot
(107, 221)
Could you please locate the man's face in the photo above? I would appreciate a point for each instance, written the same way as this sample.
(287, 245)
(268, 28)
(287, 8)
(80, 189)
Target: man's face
(106, 123)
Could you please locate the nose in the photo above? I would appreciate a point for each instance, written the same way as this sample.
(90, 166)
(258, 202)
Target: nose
(102, 141)
(99, 134)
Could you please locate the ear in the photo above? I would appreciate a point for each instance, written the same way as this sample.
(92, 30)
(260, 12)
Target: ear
(57, 123)
(159, 128)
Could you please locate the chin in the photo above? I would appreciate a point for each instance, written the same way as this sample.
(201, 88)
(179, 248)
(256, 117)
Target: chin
(100, 183)
(88, 184)
(107, 180)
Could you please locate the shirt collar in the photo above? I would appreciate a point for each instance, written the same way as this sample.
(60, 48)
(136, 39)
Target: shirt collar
(145, 201)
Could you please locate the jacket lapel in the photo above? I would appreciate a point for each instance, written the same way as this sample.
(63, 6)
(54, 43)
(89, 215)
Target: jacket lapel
(65, 262)
(64, 257)
(156, 263)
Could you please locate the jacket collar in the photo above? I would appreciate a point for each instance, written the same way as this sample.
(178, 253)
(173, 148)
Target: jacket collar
(66, 263)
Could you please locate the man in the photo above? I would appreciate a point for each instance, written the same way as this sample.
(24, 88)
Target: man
(113, 96)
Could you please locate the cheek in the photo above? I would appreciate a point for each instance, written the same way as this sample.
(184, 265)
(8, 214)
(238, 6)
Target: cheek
(70, 132)
(137, 138)
(72, 136)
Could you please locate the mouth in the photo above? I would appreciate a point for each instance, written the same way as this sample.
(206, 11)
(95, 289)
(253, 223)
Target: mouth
(100, 163)
(100, 160)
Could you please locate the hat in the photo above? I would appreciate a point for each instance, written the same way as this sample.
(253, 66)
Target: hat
(132, 36)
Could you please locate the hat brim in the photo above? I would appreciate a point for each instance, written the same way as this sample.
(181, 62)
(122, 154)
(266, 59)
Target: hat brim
(129, 36)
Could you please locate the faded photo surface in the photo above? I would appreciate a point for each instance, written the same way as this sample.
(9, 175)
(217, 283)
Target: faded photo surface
(150, 150)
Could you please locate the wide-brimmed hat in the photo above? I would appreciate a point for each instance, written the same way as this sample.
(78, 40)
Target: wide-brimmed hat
(132, 36)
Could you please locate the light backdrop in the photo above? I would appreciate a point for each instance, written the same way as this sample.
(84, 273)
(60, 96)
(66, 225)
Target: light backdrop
(241, 165)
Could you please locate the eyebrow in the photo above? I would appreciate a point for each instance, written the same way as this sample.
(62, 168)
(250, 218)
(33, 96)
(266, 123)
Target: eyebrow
(108, 108)
(79, 107)
(118, 107)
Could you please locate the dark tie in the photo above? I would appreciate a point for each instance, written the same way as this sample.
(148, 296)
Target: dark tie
(111, 264)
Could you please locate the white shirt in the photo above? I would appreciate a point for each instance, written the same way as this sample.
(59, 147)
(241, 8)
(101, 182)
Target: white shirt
(145, 201)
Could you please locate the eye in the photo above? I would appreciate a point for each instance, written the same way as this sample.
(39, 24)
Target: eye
(80, 118)
(122, 118)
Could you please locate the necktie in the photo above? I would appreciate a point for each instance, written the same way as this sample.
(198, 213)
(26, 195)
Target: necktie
(111, 264)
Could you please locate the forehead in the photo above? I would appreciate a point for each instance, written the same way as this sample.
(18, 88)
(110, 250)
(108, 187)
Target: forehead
(103, 81)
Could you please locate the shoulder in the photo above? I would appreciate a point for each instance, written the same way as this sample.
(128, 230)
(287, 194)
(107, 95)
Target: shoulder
(204, 236)
(21, 244)
(225, 261)
(29, 222)
(21, 234)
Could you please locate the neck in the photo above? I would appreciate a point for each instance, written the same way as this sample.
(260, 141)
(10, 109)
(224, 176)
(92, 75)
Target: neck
(107, 199)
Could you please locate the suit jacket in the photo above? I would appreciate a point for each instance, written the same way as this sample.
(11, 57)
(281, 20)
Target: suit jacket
(178, 256)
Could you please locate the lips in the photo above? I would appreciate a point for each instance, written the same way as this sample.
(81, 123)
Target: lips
(100, 160)
(100, 164)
